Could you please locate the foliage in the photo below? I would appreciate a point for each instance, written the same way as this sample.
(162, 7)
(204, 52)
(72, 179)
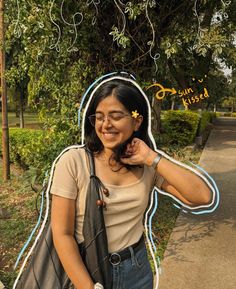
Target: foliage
(120, 37)
(205, 119)
(228, 114)
(164, 42)
(56, 71)
(218, 87)
(37, 149)
(181, 126)
(213, 116)
(56, 78)
(229, 102)
(195, 49)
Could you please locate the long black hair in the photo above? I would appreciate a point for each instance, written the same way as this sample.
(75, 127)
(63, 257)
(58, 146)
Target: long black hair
(132, 99)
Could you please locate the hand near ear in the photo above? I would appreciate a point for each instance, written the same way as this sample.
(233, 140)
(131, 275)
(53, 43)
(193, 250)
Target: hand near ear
(138, 153)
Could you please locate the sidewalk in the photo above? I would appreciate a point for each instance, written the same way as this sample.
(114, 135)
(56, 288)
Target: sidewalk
(201, 252)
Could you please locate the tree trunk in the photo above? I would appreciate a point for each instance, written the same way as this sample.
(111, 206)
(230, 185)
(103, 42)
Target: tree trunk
(156, 122)
(172, 104)
(5, 128)
(21, 102)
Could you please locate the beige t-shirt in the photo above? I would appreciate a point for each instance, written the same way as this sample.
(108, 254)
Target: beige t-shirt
(125, 204)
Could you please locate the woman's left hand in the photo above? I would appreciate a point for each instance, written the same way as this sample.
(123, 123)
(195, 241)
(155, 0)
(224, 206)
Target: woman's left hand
(138, 153)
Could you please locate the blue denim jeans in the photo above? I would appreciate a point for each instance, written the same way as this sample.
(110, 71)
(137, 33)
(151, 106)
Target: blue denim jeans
(133, 273)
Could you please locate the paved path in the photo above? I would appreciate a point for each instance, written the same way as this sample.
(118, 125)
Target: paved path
(201, 252)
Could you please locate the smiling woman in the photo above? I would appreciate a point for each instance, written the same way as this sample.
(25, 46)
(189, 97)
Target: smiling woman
(101, 191)
(127, 168)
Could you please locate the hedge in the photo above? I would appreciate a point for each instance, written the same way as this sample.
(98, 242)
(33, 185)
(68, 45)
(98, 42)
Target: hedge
(227, 113)
(18, 139)
(36, 149)
(205, 118)
(213, 116)
(181, 126)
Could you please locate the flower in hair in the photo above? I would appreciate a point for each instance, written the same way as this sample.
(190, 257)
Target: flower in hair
(135, 114)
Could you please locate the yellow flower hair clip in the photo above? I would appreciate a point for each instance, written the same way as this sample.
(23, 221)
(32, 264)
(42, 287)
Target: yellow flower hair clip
(135, 114)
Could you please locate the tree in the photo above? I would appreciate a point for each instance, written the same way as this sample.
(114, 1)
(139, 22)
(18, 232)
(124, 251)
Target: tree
(58, 59)
(230, 101)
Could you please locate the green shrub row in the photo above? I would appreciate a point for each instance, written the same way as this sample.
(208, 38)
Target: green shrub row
(36, 149)
(213, 116)
(231, 114)
(181, 126)
(206, 118)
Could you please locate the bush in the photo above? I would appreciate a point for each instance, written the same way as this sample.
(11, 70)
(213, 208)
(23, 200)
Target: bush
(206, 117)
(36, 149)
(219, 114)
(227, 113)
(213, 116)
(181, 126)
(18, 139)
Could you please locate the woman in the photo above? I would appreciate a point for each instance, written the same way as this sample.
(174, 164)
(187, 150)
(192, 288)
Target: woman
(116, 125)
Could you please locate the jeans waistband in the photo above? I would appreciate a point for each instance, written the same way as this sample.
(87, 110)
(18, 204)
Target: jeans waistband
(117, 257)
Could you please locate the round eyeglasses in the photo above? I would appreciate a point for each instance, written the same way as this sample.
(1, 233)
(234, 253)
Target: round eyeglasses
(113, 117)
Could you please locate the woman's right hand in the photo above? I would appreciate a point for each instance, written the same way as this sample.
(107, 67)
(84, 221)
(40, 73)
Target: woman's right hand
(138, 153)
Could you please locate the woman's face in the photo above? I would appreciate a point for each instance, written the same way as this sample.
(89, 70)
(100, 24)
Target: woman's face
(114, 124)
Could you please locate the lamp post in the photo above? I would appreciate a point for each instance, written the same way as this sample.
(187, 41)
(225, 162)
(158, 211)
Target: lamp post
(5, 129)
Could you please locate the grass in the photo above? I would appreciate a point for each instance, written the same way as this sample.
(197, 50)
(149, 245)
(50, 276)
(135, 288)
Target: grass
(18, 199)
(30, 120)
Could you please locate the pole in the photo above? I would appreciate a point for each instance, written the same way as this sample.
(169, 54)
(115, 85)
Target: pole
(5, 129)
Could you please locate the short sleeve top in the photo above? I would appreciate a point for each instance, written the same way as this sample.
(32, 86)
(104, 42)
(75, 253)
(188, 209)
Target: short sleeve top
(125, 204)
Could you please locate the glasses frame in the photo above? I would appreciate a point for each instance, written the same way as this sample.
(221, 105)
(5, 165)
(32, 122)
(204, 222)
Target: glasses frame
(108, 117)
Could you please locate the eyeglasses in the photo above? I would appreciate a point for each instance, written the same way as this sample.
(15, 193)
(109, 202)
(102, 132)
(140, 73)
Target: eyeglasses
(113, 117)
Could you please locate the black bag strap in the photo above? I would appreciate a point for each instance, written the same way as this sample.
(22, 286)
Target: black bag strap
(91, 161)
(99, 184)
(94, 249)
